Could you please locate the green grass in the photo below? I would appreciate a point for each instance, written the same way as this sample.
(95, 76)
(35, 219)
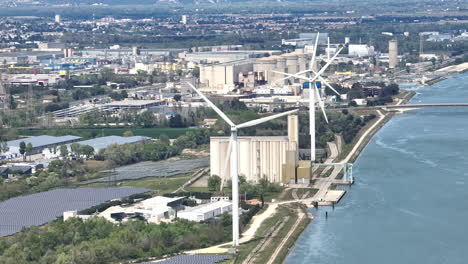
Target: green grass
(97, 132)
(300, 192)
(156, 184)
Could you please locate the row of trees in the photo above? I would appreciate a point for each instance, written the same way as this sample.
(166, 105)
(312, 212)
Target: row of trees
(153, 151)
(99, 241)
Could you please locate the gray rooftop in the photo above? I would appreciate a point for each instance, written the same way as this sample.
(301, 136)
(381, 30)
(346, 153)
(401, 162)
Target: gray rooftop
(104, 142)
(42, 141)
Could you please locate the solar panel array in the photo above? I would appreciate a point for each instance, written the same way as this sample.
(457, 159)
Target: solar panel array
(192, 259)
(163, 168)
(40, 208)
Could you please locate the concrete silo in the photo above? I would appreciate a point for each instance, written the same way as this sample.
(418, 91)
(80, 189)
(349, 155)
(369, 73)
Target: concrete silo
(392, 54)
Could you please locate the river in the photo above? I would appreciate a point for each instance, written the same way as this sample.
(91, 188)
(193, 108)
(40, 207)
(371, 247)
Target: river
(409, 203)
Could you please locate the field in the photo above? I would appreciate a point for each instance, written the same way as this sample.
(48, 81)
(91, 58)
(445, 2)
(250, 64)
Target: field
(98, 132)
(157, 185)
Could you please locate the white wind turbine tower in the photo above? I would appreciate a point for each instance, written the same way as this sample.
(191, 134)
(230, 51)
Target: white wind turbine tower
(233, 154)
(315, 93)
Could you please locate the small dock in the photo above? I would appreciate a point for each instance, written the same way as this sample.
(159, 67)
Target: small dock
(332, 197)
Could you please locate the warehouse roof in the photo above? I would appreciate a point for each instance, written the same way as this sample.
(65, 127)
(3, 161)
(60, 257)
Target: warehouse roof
(42, 141)
(104, 142)
(205, 208)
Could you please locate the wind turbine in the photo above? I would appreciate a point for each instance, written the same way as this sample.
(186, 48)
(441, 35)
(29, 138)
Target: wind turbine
(313, 94)
(233, 152)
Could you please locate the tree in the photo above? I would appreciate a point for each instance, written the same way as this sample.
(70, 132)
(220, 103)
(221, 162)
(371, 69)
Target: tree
(128, 133)
(29, 149)
(146, 119)
(177, 97)
(262, 189)
(22, 149)
(75, 149)
(12, 103)
(63, 151)
(4, 147)
(164, 139)
(86, 150)
(176, 121)
(214, 182)
(196, 72)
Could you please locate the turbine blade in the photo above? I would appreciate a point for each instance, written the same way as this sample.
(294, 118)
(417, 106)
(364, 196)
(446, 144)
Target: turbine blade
(326, 65)
(312, 61)
(265, 119)
(321, 104)
(226, 163)
(215, 108)
(329, 86)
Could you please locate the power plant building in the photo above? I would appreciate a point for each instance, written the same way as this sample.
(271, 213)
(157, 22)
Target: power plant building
(290, 63)
(222, 77)
(393, 54)
(360, 50)
(272, 157)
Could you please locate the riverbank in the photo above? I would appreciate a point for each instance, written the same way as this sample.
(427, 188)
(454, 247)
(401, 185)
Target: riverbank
(400, 195)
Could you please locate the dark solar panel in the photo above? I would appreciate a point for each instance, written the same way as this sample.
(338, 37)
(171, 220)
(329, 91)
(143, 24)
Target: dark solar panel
(40, 208)
(153, 169)
(192, 259)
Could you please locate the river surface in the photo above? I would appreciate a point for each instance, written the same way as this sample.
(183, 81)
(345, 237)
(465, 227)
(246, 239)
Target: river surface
(410, 200)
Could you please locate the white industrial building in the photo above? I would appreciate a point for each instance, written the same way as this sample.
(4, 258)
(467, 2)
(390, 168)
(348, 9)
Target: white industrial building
(271, 157)
(154, 210)
(205, 211)
(360, 50)
(222, 77)
(39, 144)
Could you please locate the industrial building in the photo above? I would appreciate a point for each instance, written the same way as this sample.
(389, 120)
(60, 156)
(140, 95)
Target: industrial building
(118, 53)
(205, 211)
(39, 143)
(289, 62)
(31, 57)
(132, 104)
(225, 55)
(393, 54)
(273, 157)
(34, 79)
(154, 210)
(360, 50)
(306, 39)
(223, 77)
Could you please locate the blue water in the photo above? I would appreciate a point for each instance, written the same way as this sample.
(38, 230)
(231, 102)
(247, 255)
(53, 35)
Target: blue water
(410, 200)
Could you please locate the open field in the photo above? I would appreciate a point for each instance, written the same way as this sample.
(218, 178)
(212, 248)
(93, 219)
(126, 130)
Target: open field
(156, 184)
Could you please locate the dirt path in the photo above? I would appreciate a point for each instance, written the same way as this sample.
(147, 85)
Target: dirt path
(300, 216)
